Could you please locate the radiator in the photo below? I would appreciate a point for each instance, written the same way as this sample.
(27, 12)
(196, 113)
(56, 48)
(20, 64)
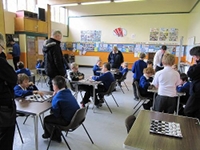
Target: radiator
(86, 60)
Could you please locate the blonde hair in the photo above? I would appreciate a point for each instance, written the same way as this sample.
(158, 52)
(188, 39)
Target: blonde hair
(56, 32)
(74, 65)
(168, 59)
(148, 70)
(22, 77)
(125, 64)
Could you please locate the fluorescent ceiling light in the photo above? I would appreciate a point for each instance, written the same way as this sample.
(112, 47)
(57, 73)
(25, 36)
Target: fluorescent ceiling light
(91, 3)
(121, 1)
(62, 5)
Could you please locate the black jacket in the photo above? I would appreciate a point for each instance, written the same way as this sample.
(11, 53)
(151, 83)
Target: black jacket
(116, 59)
(8, 79)
(53, 58)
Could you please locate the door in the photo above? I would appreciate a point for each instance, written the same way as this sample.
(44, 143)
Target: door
(31, 51)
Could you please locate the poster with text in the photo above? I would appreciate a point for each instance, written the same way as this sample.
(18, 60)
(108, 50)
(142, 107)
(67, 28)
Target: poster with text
(163, 36)
(154, 33)
(173, 34)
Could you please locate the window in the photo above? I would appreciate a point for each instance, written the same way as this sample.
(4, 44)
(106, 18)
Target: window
(21, 5)
(57, 14)
(62, 15)
(31, 5)
(4, 4)
(11, 5)
(52, 13)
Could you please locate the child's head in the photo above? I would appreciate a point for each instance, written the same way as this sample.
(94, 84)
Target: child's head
(184, 78)
(142, 55)
(74, 67)
(20, 65)
(125, 65)
(149, 63)
(175, 67)
(106, 67)
(98, 62)
(168, 59)
(149, 71)
(58, 83)
(195, 53)
(23, 80)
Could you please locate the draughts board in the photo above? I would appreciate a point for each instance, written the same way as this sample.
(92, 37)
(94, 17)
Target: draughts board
(38, 98)
(165, 128)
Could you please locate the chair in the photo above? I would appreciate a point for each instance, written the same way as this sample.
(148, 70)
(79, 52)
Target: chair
(77, 120)
(42, 76)
(141, 98)
(122, 79)
(19, 131)
(108, 93)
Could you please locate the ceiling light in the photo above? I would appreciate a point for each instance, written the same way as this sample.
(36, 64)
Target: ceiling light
(121, 1)
(64, 5)
(91, 3)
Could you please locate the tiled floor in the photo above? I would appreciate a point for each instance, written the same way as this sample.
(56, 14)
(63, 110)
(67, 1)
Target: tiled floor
(107, 130)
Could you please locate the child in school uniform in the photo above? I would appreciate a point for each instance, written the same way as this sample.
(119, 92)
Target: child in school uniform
(145, 82)
(137, 70)
(123, 69)
(24, 87)
(21, 69)
(97, 68)
(184, 87)
(149, 63)
(166, 80)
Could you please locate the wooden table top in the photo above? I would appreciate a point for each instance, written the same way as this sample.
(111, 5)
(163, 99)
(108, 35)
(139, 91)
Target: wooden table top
(139, 137)
(35, 108)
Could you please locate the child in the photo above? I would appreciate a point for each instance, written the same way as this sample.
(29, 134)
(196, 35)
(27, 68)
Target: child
(40, 64)
(166, 81)
(123, 69)
(97, 68)
(184, 87)
(137, 70)
(24, 87)
(149, 63)
(145, 82)
(21, 69)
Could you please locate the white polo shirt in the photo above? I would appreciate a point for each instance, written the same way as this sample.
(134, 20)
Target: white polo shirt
(166, 81)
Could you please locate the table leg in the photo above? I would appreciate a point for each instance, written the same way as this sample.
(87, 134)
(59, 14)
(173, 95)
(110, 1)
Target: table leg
(36, 131)
(178, 103)
(154, 98)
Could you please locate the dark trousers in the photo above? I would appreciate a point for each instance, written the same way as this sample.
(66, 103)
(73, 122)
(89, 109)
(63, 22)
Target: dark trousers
(6, 137)
(158, 68)
(134, 89)
(50, 84)
(48, 128)
(165, 104)
(15, 61)
(89, 92)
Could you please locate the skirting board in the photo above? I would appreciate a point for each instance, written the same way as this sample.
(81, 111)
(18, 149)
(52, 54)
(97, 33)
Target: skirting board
(86, 60)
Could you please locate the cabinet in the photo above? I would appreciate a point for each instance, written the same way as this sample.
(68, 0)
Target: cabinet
(151, 56)
(30, 25)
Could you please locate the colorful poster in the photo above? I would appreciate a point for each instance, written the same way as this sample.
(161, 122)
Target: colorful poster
(173, 34)
(163, 36)
(154, 33)
(91, 36)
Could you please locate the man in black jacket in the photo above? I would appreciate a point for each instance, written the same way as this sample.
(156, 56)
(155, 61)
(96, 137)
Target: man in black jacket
(115, 58)
(192, 107)
(53, 58)
(8, 79)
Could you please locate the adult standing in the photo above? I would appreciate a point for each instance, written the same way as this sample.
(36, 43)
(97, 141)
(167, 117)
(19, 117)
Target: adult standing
(157, 60)
(192, 107)
(15, 53)
(115, 58)
(8, 80)
(53, 58)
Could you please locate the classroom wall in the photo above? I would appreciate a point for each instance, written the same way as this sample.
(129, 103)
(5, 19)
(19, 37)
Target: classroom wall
(194, 24)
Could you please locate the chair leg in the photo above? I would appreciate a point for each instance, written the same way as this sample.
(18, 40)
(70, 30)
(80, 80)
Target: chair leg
(87, 133)
(19, 133)
(139, 107)
(126, 86)
(108, 106)
(65, 141)
(137, 104)
(121, 89)
(51, 137)
(81, 94)
(115, 100)
(26, 119)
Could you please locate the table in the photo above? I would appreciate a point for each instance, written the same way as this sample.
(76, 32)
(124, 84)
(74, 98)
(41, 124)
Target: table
(35, 109)
(87, 82)
(139, 137)
(178, 95)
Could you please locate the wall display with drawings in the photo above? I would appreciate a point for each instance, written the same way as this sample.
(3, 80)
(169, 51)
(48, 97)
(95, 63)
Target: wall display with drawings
(173, 34)
(163, 36)
(154, 33)
(91, 36)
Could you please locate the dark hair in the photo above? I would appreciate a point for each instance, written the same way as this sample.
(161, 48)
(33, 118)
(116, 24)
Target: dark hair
(107, 65)
(164, 47)
(60, 82)
(149, 62)
(20, 65)
(184, 77)
(195, 51)
(142, 55)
